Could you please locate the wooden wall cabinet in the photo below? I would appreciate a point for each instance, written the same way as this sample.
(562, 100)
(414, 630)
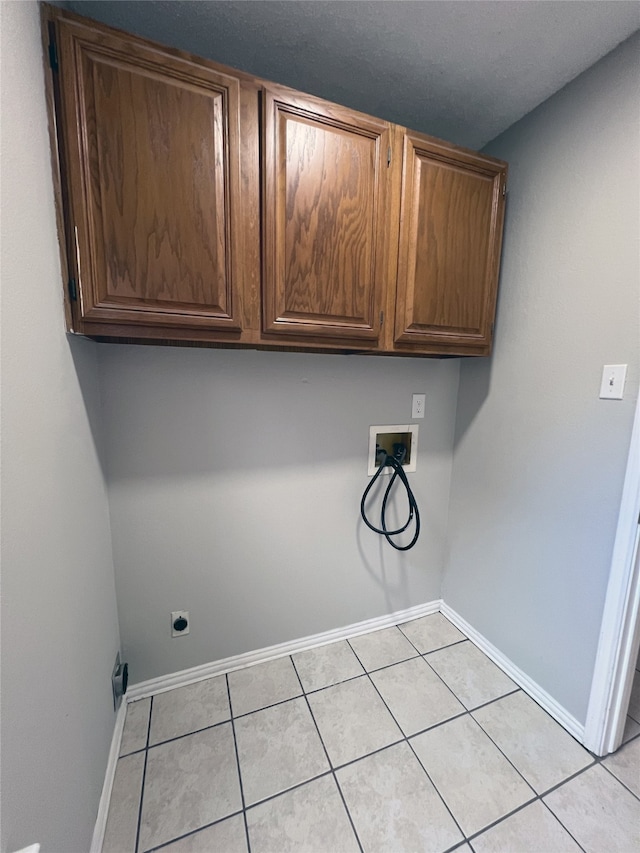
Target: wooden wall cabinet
(203, 205)
(452, 208)
(325, 179)
(151, 157)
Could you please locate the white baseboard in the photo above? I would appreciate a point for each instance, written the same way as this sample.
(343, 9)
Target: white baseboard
(566, 720)
(207, 670)
(110, 772)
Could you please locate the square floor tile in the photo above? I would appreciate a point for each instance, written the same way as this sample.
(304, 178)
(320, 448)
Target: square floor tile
(263, 684)
(189, 709)
(228, 836)
(598, 811)
(625, 765)
(327, 665)
(475, 780)
(278, 748)
(136, 726)
(381, 648)
(122, 820)
(394, 806)
(470, 674)
(531, 830)
(431, 632)
(353, 720)
(309, 819)
(189, 783)
(539, 748)
(415, 695)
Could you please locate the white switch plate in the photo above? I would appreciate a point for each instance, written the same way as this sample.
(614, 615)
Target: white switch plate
(417, 405)
(613, 376)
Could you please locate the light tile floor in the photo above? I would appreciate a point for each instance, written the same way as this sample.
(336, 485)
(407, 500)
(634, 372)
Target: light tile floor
(405, 739)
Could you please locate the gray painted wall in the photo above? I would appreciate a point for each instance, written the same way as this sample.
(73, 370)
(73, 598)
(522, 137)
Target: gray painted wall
(235, 480)
(59, 624)
(539, 460)
(235, 477)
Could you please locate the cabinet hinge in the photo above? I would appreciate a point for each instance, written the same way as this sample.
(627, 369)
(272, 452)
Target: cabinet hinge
(504, 190)
(381, 319)
(53, 55)
(388, 156)
(73, 290)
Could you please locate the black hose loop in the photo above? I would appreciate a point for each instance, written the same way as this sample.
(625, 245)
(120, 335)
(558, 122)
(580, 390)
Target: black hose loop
(414, 513)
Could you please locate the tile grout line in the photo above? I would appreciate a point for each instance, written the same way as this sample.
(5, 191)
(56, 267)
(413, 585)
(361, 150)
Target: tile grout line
(144, 777)
(468, 712)
(279, 793)
(453, 693)
(235, 745)
(288, 789)
(624, 784)
(407, 741)
(505, 756)
(193, 832)
(404, 738)
(188, 734)
(538, 798)
(569, 833)
(326, 752)
(310, 693)
(423, 655)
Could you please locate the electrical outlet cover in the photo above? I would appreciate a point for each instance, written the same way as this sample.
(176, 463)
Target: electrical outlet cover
(178, 615)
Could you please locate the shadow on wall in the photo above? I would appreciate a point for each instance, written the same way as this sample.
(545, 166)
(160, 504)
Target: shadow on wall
(377, 569)
(84, 354)
(475, 373)
(192, 412)
(475, 381)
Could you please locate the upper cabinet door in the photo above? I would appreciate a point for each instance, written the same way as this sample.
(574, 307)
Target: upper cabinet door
(450, 236)
(325, 189)
(152, 159)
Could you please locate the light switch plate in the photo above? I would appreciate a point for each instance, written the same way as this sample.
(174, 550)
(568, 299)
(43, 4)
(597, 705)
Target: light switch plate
(613, 376)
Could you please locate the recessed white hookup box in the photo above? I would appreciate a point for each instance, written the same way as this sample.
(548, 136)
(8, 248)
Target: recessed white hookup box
(385, 437)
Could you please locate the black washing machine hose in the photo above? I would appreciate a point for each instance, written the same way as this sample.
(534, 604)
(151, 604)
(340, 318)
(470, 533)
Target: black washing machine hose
(395, 462)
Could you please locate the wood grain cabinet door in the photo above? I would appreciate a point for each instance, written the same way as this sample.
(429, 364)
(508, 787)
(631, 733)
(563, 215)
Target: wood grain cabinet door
(325, 186)
(450, 237)
(152, 160)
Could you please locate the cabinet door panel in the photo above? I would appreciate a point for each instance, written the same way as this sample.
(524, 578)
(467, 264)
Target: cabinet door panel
(325, 187)
(154, 170)
(450, 234)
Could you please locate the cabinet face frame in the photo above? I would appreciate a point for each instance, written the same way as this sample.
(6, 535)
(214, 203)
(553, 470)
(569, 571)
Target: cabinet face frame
(466, 166)
(282, 108)
(79, 45)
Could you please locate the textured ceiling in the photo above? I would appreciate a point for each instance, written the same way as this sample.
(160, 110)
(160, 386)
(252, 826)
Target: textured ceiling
(463, 70)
